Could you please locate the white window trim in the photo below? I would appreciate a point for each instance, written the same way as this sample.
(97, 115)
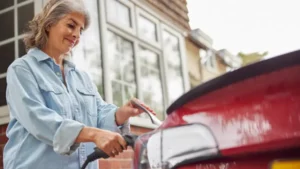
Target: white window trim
(132, 17)
(142, 122)
(4, 115)
(140, 12)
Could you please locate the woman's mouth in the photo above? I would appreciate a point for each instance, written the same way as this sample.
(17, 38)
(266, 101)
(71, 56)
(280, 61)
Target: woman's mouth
(72, 42)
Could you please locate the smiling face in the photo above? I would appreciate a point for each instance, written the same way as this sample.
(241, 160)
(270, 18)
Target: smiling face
(65, 34)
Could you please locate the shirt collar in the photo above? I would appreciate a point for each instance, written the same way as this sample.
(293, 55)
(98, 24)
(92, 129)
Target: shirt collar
(40, 56)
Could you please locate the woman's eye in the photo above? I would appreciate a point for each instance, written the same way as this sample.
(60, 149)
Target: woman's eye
(71, 26)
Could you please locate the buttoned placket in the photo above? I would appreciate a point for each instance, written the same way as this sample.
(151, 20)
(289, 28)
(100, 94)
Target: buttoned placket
(74, 106)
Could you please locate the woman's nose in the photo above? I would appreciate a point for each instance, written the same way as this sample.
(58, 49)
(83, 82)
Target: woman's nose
(76, 34)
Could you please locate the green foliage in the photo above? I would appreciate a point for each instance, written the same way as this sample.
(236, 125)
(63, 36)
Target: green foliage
(251, 57)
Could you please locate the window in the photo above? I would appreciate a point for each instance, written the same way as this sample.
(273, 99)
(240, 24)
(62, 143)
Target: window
(87, 54)
(210, 63)
(151, 83)
(15, 15)
(144, 59)
(148, 27)
(120, 14)
(122, 71)
(174, 69)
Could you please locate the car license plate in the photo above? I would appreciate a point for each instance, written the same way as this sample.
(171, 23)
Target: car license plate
(286, 164)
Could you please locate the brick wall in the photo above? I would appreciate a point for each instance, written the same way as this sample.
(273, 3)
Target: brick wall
(3, 140)
(175, 10)
(123, 161)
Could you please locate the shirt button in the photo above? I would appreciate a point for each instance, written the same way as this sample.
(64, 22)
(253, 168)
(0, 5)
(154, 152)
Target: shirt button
(57, 73)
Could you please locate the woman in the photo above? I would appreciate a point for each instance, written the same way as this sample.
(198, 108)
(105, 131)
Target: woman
(57, 115)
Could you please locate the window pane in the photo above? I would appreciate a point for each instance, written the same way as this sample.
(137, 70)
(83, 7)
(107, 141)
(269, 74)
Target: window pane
(121, 58)
(147, 29)
(121, 65)
(7, 19)
(117, 94)
(118, 13)
(2, 91)
(8, 52)
(174, 73)
(6, 3)
(87, 54)
(149, 58)
(22, 50)
(130, 92)
(151, 82)
(25, 14)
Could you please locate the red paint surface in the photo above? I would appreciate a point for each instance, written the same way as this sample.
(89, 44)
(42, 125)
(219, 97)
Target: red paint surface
(255, 121)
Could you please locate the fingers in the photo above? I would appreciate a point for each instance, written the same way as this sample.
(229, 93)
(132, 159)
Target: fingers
(111, 143)
(123, 144)
(142, 104)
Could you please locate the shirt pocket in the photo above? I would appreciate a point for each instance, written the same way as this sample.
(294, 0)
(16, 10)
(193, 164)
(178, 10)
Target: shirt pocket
(54, 98)
(89, 101)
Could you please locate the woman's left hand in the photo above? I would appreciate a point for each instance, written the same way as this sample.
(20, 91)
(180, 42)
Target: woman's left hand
(129, 110)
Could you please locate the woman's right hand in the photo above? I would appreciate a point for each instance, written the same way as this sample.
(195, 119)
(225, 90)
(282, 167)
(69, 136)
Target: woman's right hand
(110, 142)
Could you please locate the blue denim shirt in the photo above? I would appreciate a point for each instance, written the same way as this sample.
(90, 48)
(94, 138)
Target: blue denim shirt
(46, 116)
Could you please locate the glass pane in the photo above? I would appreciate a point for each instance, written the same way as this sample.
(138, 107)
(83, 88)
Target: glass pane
(8, 52)
(174, 73)
(22, 50)
(2, 91)
(117, 93)
(130, 92)
(87, 54)
(147, 29)
(151, 84)
(128, 71)
(121, 58)
(5, 4)
(148, 57)
(7, 19)
(25, 14)
(118, 13)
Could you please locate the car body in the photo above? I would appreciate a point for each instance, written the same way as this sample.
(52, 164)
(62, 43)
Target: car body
(245, 119)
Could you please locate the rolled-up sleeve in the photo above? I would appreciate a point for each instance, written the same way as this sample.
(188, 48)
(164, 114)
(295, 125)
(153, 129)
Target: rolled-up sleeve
(27, 105)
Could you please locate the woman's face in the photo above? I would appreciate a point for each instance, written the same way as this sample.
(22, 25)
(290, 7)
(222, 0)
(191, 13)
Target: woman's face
(65, 34)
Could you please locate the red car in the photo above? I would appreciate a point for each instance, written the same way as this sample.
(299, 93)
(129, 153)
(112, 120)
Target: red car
(245, 119)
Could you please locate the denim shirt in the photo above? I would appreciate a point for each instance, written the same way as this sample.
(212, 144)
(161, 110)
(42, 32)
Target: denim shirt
(46, 116)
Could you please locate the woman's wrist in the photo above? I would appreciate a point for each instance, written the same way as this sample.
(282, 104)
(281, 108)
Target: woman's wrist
(120, 118)
(87, 134)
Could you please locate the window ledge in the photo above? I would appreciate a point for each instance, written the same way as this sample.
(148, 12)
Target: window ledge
(4, 115)
(142, 122)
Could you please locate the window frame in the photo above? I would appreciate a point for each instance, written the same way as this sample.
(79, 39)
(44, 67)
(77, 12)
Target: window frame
(161, 75)
(4, 110)
(140, 12)
(132, 19)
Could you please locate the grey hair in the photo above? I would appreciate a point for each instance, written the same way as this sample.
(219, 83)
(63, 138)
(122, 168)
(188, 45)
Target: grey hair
(53, 11)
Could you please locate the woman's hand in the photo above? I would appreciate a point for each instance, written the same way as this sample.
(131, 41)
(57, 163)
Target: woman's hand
(129, 110)
(110, 142)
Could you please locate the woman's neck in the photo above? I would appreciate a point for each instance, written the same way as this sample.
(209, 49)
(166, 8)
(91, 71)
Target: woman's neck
(55, 55)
